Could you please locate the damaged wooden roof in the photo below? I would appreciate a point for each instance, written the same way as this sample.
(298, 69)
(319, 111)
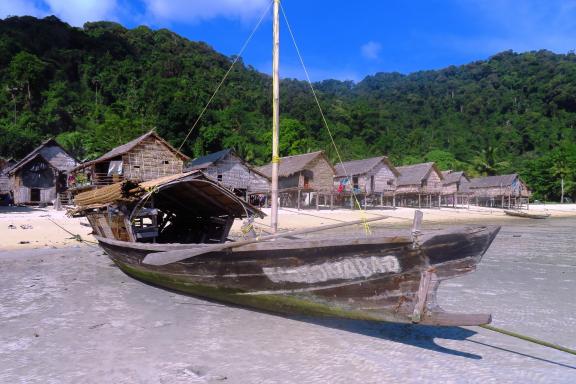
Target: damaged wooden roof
(359, 167)
(51, 152)
(290, 165)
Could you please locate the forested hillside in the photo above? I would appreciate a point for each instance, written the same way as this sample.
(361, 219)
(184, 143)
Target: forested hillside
(100, 86)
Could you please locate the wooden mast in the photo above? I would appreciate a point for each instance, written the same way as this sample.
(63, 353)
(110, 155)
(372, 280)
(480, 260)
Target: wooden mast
(275, 116)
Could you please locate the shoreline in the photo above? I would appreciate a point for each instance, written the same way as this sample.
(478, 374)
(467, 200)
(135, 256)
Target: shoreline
(33, 228)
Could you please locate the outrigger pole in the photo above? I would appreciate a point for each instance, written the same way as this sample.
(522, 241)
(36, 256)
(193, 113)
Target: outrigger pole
(528, 338)
(275, 116)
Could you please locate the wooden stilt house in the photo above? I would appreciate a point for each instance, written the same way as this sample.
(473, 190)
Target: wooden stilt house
(40, 176)
(504, 191)
(145, 158)
(371, 179)
(455, 188)
(5, 188)
(233, 172)
(303, 180)
(419, 185)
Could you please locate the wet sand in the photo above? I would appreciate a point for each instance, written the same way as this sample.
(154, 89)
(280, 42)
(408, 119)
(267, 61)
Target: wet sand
(69, 316)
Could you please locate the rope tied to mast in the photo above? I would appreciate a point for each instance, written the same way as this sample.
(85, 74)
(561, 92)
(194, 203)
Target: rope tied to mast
(363, 217)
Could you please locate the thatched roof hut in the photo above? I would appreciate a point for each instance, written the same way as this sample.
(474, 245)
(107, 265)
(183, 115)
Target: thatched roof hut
(498, 186)
(310, 171)
(419, 178)
(232, 171)
(455, 182)
(145, 158)
(373, 175)
(41, 174)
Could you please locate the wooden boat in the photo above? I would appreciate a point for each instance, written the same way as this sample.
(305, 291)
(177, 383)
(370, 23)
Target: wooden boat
(389, 277)
(173, 231)
(527, 215)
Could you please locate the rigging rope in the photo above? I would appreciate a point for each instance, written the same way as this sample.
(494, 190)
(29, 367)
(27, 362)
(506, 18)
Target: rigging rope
(226, 74)
(362, 212)
(529, 339)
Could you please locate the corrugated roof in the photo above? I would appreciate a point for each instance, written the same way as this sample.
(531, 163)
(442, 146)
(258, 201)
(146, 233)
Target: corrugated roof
(451, 177)
(415, 174)
(124, 148)
(359, 167)
(493, 181)
(289, 165)
(53, 153)
(207, 160)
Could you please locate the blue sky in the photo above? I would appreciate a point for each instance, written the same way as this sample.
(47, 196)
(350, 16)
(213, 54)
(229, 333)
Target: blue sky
(344, 40)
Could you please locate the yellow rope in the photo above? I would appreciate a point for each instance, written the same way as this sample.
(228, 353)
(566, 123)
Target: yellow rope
(226, 75)
(362, 212)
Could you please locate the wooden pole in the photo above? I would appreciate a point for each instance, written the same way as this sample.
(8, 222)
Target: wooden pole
(275, 115)
(299, 198)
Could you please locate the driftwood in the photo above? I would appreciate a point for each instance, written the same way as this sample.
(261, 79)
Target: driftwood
(168, 257)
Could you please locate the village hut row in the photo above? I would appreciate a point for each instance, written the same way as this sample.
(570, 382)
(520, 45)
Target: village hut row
(49, 173)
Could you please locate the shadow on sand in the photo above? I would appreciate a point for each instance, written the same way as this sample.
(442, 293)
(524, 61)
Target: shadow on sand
(421, 336)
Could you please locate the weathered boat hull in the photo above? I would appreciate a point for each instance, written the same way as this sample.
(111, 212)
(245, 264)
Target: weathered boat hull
(527, 215)
(391, 278)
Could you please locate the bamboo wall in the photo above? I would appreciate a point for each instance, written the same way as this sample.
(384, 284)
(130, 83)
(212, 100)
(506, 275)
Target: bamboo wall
(384, 180)
(322, 175)
(149, 160)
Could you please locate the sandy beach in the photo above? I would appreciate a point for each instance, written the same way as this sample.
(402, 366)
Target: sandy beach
(26, 227)
(69, 315)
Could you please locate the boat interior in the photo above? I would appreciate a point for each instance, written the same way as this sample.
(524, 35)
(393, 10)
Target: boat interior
(191, 210)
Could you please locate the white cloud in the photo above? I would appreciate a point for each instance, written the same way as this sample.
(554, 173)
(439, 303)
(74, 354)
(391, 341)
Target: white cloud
(197, 10)
(75, 12)
(371, 50)
(80, 11)
(521, 26)
(18, 8)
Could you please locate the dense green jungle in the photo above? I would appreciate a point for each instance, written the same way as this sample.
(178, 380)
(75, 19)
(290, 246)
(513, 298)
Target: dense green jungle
(96, 87)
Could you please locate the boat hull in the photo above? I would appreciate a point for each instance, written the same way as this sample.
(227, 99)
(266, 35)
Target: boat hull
(391, 278)
(527, 215)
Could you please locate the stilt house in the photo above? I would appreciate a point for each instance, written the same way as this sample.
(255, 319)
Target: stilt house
(373, 178)
(145, 158)
(5, 189)
(40, 176)
(505, 191)
(455, 188)
(302, 178)
(419, 185)
(232, 171)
